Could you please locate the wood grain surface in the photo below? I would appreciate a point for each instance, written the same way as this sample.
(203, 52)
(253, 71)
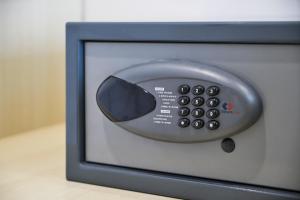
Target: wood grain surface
(32, 166)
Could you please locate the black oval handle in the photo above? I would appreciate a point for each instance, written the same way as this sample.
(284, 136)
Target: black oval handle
(120, 100)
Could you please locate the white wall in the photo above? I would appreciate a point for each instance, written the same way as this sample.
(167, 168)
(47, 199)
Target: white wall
(192, 10)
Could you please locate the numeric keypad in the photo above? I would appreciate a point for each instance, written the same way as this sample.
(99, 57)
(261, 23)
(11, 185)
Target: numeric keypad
(192, 102)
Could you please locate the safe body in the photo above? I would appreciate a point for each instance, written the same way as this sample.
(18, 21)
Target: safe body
(266, 153)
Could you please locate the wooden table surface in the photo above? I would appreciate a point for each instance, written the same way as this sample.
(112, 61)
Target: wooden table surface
(32, 166)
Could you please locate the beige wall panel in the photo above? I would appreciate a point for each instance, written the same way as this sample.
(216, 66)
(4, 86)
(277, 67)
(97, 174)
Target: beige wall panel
(32, 62)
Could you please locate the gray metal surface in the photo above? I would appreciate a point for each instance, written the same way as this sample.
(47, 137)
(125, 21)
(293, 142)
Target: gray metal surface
(169, 74)
(273, 70)
(157, 182)
(208, 32)
(173, 185)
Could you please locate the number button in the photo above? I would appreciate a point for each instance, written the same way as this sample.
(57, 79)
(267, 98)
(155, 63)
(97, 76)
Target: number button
(198, 123)
(198, 101)
(184, 89)
(213, 91)
(184, 100)
(198, 90)
(183, 122)
(198, 112)
(183, 111)
(213, 125)
(212, 102)
(212, 113)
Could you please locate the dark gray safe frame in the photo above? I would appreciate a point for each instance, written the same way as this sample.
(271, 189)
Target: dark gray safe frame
(166, 184)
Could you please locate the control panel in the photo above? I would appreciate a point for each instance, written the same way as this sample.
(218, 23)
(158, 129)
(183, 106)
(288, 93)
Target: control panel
(179, 101)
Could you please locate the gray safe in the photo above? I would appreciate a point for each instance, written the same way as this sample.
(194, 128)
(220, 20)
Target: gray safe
(186, 110)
